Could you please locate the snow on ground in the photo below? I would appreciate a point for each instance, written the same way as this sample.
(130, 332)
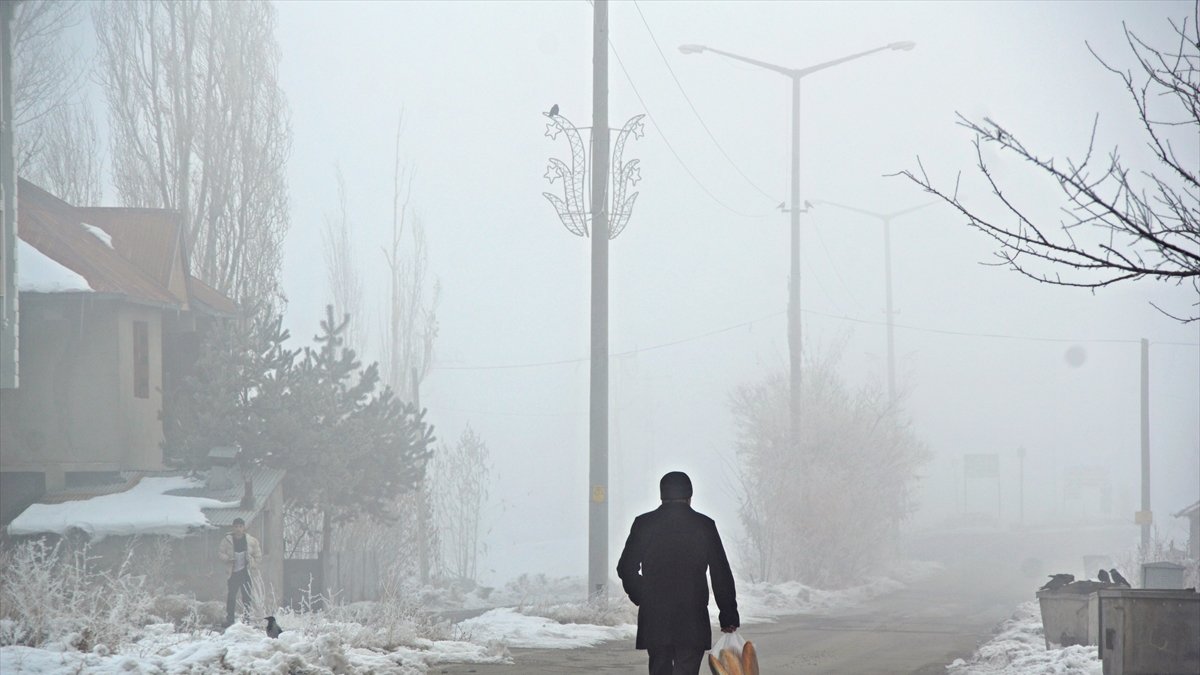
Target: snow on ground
(142, 509)
(1019, 647)
(546, 614)
(520, 630)
(37, 273)
(244, 649)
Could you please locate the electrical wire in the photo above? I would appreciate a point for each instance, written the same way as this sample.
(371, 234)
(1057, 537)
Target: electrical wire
(671, 147)
(773, 198)
(840, 317)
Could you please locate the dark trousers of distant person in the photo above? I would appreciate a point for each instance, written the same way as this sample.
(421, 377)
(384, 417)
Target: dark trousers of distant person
(670, 661)
(238, 581)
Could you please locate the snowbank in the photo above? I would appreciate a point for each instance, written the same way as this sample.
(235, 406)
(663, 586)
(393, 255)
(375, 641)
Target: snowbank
(1019, 647)
(548, 616)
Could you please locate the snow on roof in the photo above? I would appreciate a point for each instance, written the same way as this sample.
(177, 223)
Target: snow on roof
(37, 273)
(142, 509)
(99, 234)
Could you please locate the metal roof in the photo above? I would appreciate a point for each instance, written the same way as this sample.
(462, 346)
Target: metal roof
(148, 259)
(264, 480)
(148, 238)
(55, 228)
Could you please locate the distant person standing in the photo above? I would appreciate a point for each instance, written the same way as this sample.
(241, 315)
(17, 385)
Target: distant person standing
(663, 571)
(243, 553)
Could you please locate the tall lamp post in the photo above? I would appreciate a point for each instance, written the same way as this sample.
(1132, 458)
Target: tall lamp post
(795, 75)
(594, 210)
(886, 218)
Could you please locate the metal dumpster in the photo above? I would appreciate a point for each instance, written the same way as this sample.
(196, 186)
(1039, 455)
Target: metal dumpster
(1065, 618)
(1149, 631)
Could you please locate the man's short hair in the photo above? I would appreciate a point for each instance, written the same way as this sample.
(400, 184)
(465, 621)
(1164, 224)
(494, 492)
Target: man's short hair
(239, 521)
(675, 486)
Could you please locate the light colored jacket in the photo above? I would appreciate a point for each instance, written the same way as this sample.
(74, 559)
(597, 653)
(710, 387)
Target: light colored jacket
(253, 552)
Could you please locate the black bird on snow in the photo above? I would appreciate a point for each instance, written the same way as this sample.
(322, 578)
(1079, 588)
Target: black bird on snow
(1057, 581)
(1118, 579)
(554, 110)
(273, 629)
(1103, 576)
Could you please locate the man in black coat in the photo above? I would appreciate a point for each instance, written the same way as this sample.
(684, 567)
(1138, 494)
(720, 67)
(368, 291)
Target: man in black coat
(662, 569)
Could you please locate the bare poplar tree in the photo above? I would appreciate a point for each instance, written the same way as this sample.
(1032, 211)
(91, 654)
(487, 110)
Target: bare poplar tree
(199, 124)
(67, 162)
(460, 478)
(57, 144)
(411, 314)
(47, 70)
(345, 283)
(1119, 223)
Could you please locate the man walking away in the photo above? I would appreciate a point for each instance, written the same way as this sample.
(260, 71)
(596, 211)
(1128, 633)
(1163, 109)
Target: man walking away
(243, 553)
(663, 571)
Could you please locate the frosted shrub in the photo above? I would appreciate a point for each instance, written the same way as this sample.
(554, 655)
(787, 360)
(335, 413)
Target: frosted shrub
(51, 595)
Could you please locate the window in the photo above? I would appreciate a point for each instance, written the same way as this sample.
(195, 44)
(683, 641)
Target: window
(141, 359)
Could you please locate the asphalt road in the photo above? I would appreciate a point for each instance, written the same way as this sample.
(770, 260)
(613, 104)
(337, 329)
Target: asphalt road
(919, 629)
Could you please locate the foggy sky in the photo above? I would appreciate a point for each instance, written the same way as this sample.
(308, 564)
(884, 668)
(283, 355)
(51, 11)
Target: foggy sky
(473, 79)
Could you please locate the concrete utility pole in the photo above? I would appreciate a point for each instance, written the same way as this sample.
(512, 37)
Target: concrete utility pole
(886, 218)
(1145, 518)
(612, 197)
(795, 75)
(598, 471)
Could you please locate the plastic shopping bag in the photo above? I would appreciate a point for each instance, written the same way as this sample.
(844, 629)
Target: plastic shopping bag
(733, 655)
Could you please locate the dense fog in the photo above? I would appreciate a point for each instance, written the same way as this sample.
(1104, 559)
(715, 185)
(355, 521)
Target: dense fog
(987, 361)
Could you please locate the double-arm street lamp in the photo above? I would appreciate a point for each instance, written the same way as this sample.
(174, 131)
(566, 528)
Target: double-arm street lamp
(795, 75)
(886, 218)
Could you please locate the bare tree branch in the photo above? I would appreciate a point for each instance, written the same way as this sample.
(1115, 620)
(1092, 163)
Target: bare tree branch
(1118, 224)
(199, 124)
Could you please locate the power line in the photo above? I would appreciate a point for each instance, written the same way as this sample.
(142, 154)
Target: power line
(671, 147)
(851, 319)
(773, 198)
(629, 352)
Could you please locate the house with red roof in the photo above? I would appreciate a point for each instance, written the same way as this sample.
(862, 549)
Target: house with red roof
(110, 317)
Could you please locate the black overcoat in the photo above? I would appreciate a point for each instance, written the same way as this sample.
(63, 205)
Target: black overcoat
(663, 571)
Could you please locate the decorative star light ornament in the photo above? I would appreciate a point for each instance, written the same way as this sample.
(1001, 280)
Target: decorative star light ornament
(572, 206)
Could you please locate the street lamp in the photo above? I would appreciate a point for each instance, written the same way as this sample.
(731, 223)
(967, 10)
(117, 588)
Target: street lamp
(795, 75)
(887, 272)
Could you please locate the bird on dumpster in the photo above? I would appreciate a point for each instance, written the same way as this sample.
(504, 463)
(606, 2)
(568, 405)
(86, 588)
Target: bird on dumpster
(1118, 579)
(1103, 576)
(554, 110)
(1057, 581)
(273, 629)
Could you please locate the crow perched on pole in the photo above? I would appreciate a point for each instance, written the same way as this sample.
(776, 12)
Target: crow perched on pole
(554, 110)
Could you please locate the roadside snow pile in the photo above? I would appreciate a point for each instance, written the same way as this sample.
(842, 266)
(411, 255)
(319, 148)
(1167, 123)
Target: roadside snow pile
(521, 630)
(243, 649)
(1019, 647)
(764, 602)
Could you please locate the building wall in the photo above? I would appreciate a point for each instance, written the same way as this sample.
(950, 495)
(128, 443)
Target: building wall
(75, 410)
(8, 209)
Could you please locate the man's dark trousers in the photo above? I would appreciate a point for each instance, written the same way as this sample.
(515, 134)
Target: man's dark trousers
(239, 580)
(670, 661)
